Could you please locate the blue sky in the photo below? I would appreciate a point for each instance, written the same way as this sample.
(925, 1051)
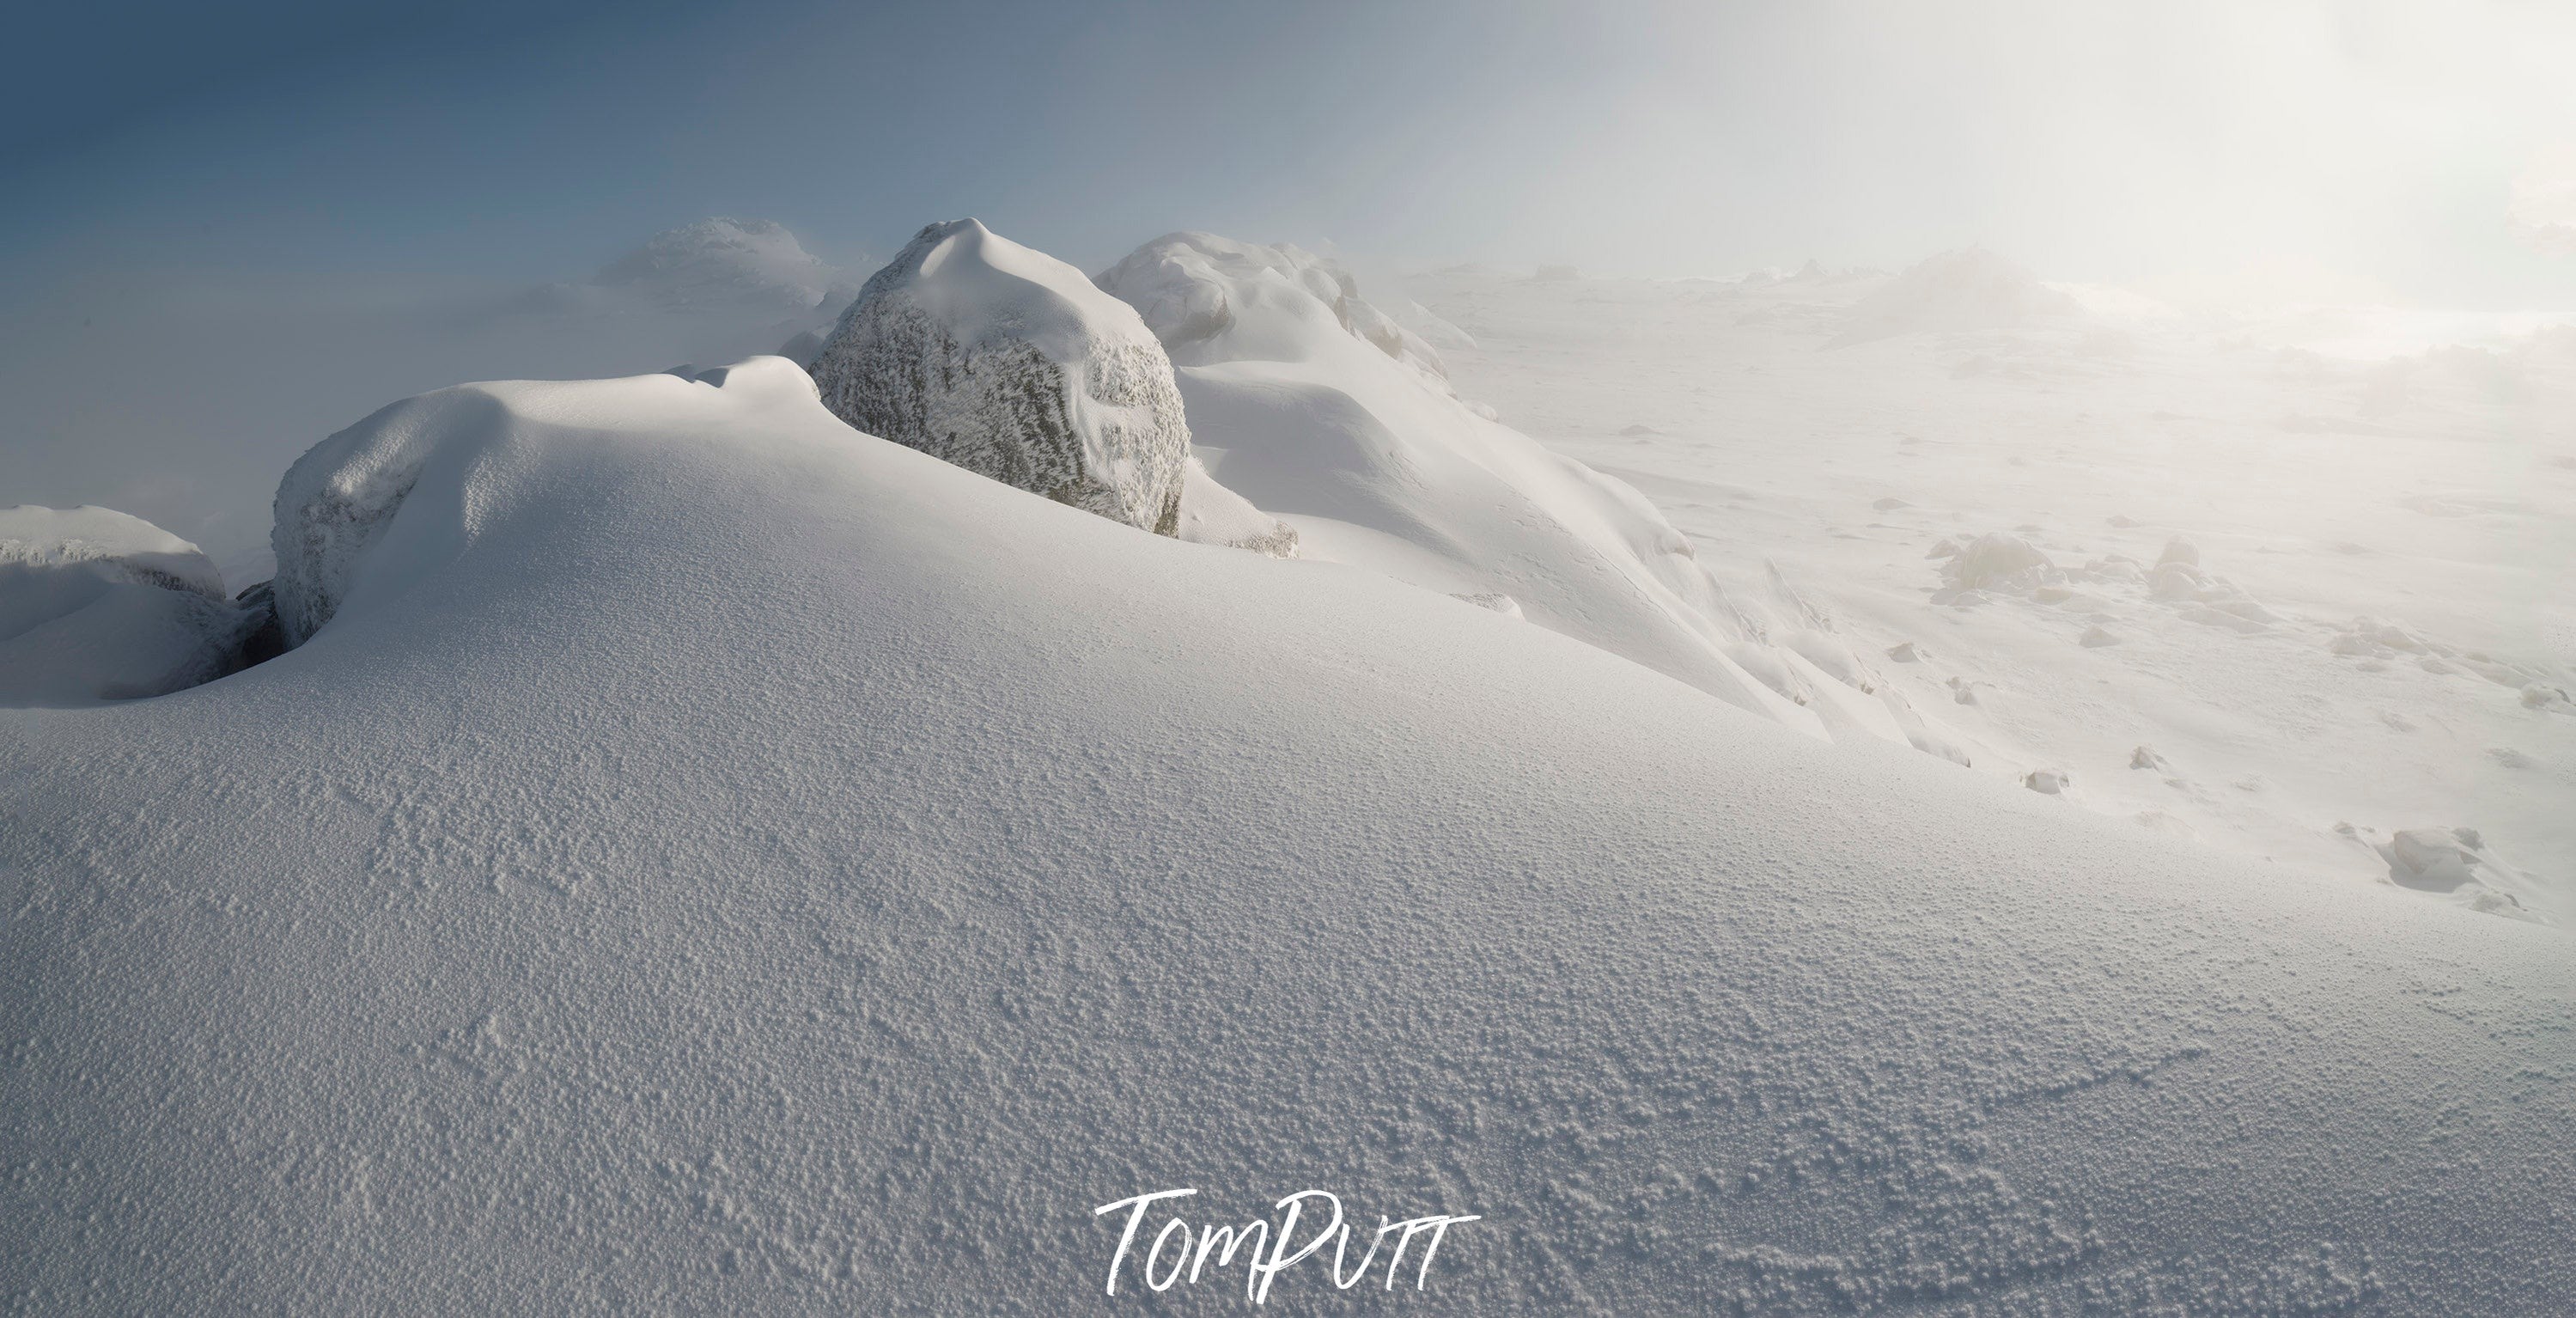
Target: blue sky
(2358, 146)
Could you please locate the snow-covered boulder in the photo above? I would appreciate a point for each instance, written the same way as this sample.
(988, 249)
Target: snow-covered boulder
(97, 605)
(1998, 561)
(1009, 363)
(1965, 290)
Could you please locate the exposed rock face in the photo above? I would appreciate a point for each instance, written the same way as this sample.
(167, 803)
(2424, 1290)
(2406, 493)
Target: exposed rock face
(1007, 362)
(96, 605)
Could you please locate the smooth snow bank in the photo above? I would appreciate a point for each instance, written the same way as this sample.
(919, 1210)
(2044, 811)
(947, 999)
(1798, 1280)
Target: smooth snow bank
(1362, 444)
(1972, 289)
(1211, 514)
(97, 605)
(715, 861)
(1009, 363)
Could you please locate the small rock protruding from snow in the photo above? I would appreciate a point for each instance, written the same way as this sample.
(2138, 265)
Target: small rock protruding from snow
(1998, 561)
(2047, 782)
(2434, 859)
(98, 605)
(2179, 550)
(1009, 363)
(1903, 652)
(2097, 636)
(2145, 757)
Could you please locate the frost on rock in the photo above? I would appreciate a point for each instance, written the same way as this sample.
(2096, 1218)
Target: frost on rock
(1998, 561)
(98, 605)
(1211, 514)
(1007, 362)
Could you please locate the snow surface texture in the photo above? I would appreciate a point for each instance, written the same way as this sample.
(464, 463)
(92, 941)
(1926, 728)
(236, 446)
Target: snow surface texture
(1007, 362)
(96, 605)
(714, 861)
(1355, 436)
(2330, 591)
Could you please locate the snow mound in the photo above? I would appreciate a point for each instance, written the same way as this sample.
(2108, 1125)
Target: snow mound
(715, 861)
(1007, 362)
(1972, 289)
(97, 605)
(1216, 299)
(722, 261)
(1211, 514)
(1379, 464)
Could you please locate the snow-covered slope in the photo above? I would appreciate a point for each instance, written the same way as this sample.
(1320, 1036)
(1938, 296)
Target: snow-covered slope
(1009, 363)
(2367, 629)
(715, 861)
(1334, 417)
(97, 605)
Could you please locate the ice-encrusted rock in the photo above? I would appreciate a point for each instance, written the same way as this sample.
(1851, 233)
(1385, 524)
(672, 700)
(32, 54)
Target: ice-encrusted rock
(99, 605)
(1998, 561)
(1211, 514)
(1009, 363)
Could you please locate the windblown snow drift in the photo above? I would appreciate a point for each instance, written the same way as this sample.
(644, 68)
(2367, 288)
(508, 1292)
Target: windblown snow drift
(96, 605)
(709, 859)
